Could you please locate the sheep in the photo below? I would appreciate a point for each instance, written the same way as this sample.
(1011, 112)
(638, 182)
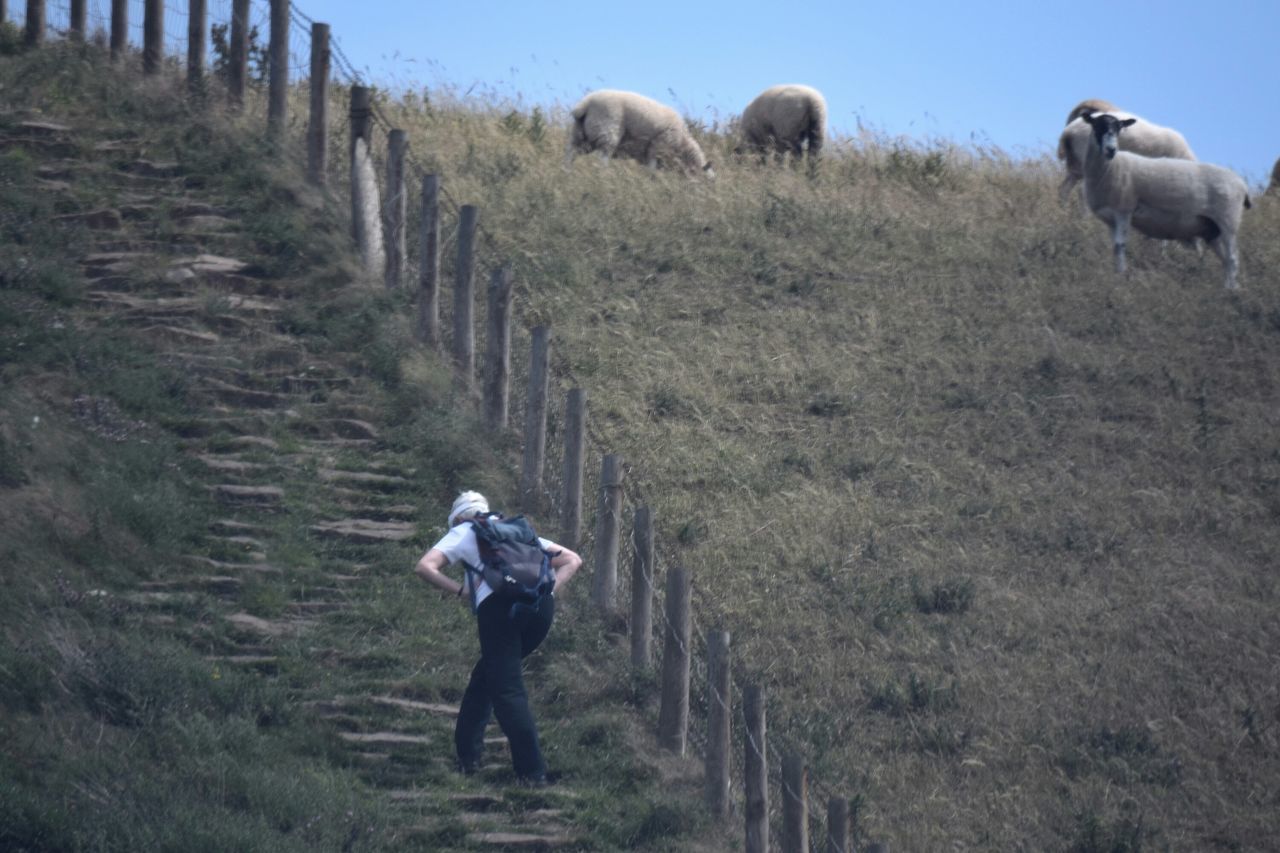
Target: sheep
(613, 122)
(1165, 198)
(785, 118)
(1147, 139)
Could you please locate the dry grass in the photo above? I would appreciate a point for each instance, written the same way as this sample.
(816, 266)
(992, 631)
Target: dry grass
(994, 526)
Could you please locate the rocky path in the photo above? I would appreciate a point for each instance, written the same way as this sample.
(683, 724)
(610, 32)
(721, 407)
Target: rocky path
(286, 445)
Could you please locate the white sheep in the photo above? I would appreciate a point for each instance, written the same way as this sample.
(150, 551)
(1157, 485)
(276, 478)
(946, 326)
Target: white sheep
(1165, 198)
(1147, 139)
(631, 125)
(786, 118)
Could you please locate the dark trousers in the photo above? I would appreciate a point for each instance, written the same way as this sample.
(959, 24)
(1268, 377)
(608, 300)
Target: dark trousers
(497, 685)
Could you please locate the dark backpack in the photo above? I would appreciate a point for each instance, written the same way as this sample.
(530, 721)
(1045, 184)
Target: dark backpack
(512, 561)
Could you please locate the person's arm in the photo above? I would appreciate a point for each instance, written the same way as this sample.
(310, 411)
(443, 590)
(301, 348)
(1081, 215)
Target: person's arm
(429, 569)
(566, 563)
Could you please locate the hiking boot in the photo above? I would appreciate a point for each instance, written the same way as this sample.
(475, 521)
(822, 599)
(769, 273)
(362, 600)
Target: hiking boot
(539, 781)
(466, 768)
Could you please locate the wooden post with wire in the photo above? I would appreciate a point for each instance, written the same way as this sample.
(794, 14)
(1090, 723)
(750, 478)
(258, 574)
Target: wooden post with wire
(673, 713)
(497, 378)
(719, 724)
(33, 34)
(119, 28)
(361, 121)
(795, 804)
(535, 420)
(318, 117)
(78, 18)
(428, 327)
(394, 209)
(755, 771)
(604, 580)
(197, 36)
(575, 428)
(642, 589)
(238, 66)
(838, 826)
(464, 333)
(152, 36)
(278, 80)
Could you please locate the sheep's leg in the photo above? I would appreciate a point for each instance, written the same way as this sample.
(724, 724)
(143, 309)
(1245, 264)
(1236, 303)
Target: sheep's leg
(1119, 233)
(1065, 188)
(1224, 246)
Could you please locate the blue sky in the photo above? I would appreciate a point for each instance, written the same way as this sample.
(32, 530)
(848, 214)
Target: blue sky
(996, 72)
(988, 71)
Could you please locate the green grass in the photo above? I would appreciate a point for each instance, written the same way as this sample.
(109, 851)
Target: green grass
(993, 526)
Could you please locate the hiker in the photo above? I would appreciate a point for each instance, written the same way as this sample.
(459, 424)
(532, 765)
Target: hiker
(508, 632)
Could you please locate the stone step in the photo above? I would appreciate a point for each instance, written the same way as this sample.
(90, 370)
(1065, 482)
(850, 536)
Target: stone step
(336, 428)
(415, 705)
(103, 219)
(235, 527)
(523, 840)
(269, 664)
(363, 479)
(247, 398)
(177, 335)
(226, 568)
(366, 531)
(233, 466)
(248, 495)
(268, 627)
(386, 514)
(389, 738)
(216, 584)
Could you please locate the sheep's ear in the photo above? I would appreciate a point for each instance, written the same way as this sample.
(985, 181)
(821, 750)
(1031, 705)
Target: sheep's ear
(1087, 115)
(1129, 122)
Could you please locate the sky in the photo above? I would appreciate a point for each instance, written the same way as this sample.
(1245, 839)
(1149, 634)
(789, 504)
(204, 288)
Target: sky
(992, 72)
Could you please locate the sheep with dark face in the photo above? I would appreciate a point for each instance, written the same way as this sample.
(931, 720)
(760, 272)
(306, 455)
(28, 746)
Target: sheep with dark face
(626, 124)
(1145, 138)
(1165, 198)
(789, 118)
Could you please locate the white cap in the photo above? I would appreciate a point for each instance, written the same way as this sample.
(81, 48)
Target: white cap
(467, 505)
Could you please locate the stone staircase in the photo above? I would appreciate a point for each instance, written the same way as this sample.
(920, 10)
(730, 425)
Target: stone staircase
(279, 432)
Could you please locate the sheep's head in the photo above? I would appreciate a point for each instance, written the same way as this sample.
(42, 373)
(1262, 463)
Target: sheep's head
(1106, 131)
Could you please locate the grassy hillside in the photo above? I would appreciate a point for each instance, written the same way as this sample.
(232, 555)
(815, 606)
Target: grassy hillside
(994, 526)
(197, 392)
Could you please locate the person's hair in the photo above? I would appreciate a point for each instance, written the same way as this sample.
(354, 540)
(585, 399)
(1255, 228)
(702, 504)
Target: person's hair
(468, 505)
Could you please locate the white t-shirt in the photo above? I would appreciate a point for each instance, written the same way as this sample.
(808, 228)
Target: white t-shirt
(459, 545)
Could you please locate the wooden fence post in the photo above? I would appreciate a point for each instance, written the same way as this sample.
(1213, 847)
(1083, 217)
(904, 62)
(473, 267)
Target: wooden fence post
(604, 580)
(238, 70)
(795, 804)
(78, 18)
(497, 379)
(119, 27)
(535, 420)
(673, 713)
(394, 208)
(361, 121)
(464, 334)
(197, 35)
(755, 771)
(838, 826)
(719, 723)
(318, 118)
(34, 33)
(152, 36)
(575, 429)
(278, 81)
(642, 589)
(429, 265)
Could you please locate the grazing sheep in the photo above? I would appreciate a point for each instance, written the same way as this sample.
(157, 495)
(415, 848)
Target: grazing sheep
(1165, 198)
(1147, 139)
(1090, 105)
(786, 118)
(631, 125)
